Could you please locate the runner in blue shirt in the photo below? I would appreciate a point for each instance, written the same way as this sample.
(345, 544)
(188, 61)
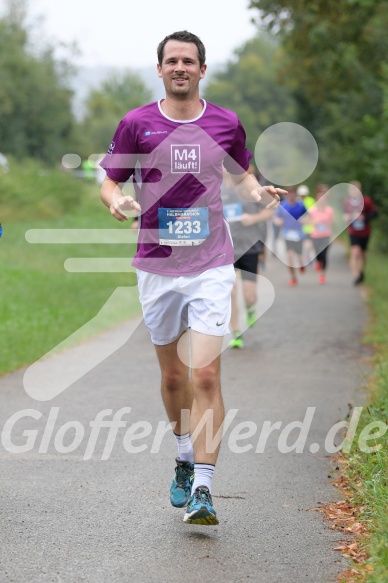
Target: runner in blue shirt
(288, 215)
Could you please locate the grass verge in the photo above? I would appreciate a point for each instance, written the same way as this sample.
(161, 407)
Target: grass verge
(41, 303)
(367, 471)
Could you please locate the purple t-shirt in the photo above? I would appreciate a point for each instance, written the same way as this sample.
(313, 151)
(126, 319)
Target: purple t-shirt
(177, 174)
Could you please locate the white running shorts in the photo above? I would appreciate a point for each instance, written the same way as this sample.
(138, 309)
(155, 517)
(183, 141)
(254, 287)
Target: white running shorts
(171, 305)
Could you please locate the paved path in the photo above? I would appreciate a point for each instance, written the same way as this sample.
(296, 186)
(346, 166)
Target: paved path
(66, 519)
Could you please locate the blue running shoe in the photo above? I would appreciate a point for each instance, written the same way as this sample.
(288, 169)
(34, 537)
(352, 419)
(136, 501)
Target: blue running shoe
(181, 485)
(200, 509)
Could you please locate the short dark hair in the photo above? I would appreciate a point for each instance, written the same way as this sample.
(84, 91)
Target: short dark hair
(185, 37)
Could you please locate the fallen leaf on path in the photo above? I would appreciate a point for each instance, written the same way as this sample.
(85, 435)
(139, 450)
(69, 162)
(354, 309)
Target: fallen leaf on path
(344, 516)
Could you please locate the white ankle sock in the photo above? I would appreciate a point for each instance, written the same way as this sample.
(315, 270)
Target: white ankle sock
(185, 447)
(203, 474)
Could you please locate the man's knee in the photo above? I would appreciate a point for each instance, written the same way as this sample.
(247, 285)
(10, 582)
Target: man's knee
(207, 379)
(174, 379)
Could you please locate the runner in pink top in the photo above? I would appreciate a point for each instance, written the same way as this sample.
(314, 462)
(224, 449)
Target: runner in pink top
(322, 217)
(174, 150)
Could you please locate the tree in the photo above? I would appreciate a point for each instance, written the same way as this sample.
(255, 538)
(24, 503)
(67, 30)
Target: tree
(249, 85)
(35, 103)
(108, 104)
(337, 52)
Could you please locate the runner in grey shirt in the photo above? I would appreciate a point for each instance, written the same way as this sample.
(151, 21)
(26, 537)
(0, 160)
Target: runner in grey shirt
(246, 220)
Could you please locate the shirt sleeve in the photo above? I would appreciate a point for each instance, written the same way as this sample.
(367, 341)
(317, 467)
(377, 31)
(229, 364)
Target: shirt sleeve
(369, 208)
(120, 160)
(239, 156)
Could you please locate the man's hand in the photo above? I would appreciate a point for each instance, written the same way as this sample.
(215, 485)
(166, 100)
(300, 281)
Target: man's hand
(124, 203)
(249, 188)
(248, 219)
(112, 197)
(268, 195)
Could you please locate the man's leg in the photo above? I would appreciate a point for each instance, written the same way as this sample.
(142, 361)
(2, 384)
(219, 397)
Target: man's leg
(357, 263)
(237, 340)
(250, 297)
(249, 272)
(201, 394)
(291, 268)
(250, 292)
(208, 316)
(234, 320)
(308, 251)
(177, 395)
(177, 390)
(321, 258)
(207, 403)
(207, 415)
(248, 266)
(363, 260)
(302, 268)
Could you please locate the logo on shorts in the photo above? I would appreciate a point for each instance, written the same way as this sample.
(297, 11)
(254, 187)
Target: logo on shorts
(185, 158)
(219, 324)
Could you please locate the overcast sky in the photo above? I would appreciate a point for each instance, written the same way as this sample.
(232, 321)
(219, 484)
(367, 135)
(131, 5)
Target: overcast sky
(125, 33)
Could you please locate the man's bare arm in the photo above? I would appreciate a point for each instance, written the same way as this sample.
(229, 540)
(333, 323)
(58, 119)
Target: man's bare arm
(112, 197)
(248, 187)
(249, 219)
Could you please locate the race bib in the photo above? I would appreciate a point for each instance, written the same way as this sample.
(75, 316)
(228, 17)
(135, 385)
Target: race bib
(292, 235)
(358, 224)
(233, 211)
(183, 227)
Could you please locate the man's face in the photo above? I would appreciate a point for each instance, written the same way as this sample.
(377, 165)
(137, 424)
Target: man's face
(353, 191)
(180, 69)
(291, 196)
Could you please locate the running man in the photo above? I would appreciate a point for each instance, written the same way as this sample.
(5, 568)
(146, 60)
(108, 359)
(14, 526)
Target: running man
(303, 193)
(360, 209)
(184, 258)
(322, 219)
(245, 221)
(289, 216)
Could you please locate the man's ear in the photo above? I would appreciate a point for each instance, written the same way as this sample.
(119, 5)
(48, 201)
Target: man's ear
(159, 69)
(203, 71)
